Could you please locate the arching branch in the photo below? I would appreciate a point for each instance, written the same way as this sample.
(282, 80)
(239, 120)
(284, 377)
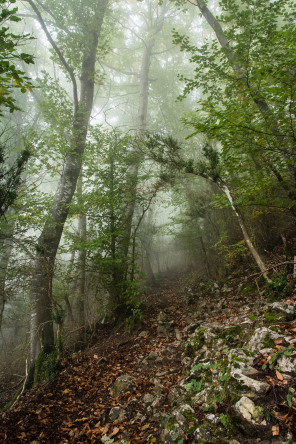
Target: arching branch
(58, 52)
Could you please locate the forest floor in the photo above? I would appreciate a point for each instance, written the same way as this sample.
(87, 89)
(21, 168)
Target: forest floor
(75, 406)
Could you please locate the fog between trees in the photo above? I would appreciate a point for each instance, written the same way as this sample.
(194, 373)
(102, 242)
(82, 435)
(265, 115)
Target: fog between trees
(137, 139)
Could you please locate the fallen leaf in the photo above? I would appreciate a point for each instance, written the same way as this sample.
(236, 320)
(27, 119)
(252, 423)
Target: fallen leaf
(96, 357)
(278, 341)
(115, 431)
(279, 375)
(275, 430)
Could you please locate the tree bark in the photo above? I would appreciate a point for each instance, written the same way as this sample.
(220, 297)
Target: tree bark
(41, 329)
(153, 28)
(243, 227)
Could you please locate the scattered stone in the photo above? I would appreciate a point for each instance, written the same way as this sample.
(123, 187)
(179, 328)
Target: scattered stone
(248, 410)
(282, 308)
(161, 317)
(286, 364)
(257, 386)
(117, 414)
(143, 334)
(148, 398)
(123, 384)
(257, 340)
(214, 419)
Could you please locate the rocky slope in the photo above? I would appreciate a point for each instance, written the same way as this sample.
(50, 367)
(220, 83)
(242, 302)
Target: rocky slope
(212, 363)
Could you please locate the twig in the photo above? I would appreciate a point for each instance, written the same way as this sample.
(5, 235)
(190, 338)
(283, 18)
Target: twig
(24, 385)
(272, 267)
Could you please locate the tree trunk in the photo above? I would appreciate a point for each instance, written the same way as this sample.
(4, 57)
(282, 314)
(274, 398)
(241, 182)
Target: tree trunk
(81, 264)
(41, 329)
(153, 29)
(249, 243)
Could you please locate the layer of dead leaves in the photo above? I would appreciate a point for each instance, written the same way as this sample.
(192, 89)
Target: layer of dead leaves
(74, 408)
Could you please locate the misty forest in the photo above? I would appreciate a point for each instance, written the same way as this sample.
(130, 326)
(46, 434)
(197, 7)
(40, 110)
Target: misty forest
(147, 221)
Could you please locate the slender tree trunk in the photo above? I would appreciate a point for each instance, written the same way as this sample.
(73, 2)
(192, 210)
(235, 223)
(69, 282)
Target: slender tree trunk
(207, 264)
(6, 249)
(154, 27)
(81, 263)
(243, 227)
(41, 330)
(7, 229)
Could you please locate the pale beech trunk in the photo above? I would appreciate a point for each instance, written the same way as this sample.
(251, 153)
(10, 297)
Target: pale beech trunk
(153, 28)
(6, 249)
(81, 264)
(41, 330)
(243, 227)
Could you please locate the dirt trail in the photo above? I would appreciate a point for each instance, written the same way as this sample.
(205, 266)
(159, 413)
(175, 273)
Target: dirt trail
(75, 407)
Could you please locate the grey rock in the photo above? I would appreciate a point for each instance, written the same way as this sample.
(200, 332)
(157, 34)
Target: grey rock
(245, 369)
(213, 419)
(161, 317)
(287, 364)
(201, 397)
(281, 307)
(256, 341)
(247, 409)
(256, 386)
(148, 398)
(123, 384)
(117, 414)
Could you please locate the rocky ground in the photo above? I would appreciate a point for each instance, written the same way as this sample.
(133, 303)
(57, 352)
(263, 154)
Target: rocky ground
(211, 363)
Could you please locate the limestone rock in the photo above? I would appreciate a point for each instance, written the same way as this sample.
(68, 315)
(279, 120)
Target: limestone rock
(286, 364)
(257, 340)
(148, 398)
(248, 411)
(123, 384)
(282, 308)
(256, 386)
(117, 414)
(178, 425)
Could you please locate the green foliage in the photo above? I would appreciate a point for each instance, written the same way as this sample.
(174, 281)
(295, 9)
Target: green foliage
(226, 422)
(246, 99)
(194, 386)
(278, 288)
(46, 366)
(231, 252)
(131, 306)
(11, 77)
(272, 318)
(283, 352)
(10, 178)
(195, 344)
(268, 341)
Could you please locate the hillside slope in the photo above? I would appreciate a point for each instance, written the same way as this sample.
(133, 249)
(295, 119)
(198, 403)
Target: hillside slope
(190, 374)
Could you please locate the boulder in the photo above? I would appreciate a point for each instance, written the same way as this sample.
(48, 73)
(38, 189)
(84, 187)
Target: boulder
(148, 398)
(248, 411)
(254, 385)
(123, 384)
(257, 341)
